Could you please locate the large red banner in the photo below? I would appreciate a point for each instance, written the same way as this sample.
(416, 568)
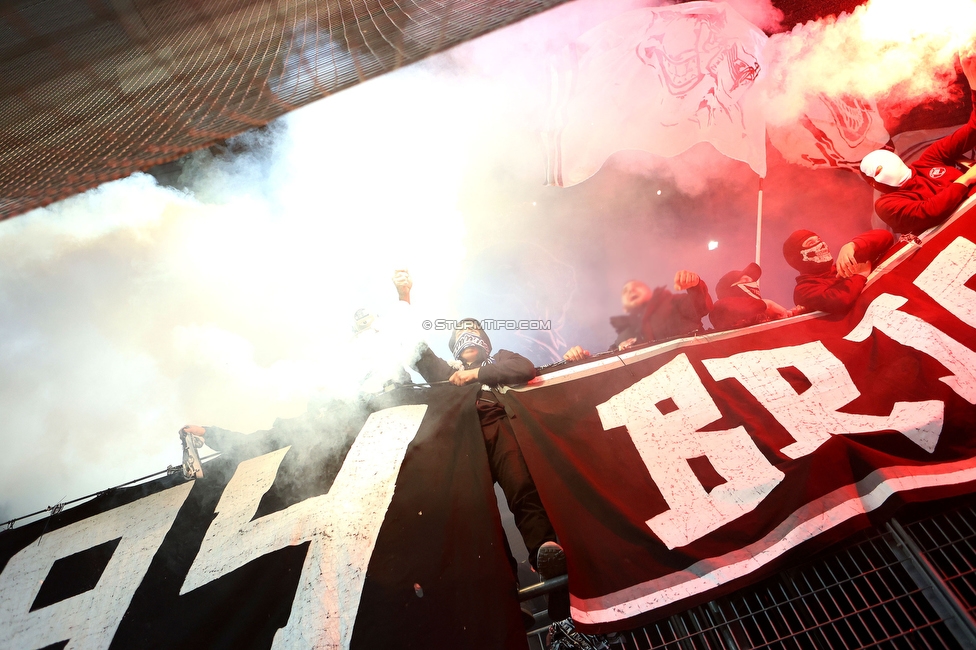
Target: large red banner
(675, 473)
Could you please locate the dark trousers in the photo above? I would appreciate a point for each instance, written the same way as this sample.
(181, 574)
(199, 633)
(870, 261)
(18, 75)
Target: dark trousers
(509, 470)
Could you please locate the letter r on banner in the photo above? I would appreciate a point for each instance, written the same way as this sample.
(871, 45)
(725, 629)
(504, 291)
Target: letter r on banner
(812, 416)
(667, 441)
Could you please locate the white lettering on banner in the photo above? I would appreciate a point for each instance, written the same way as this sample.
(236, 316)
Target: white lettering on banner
(913, 332)
(89, 619)
(342, 527)
(946, 276)
(805, 523)
(667, 441)
(811, 416)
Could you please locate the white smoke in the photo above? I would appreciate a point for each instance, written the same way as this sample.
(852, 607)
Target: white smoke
(134, 309)
(887, 49)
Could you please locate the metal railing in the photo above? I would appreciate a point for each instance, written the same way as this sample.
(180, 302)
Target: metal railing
(902, 585)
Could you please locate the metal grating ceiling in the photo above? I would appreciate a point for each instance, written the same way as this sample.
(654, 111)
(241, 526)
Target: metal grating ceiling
(94, 90)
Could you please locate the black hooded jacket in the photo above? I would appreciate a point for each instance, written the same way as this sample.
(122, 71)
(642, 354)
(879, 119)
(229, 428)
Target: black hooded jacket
(665, 316)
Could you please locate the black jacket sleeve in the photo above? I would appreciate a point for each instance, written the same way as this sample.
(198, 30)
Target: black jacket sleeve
(696, 302)
(509, 369)
(226, 440)
(325, 422)
(431, 367)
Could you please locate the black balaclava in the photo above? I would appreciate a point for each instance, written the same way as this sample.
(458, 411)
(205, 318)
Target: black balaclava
(814, 260)
(729, 287)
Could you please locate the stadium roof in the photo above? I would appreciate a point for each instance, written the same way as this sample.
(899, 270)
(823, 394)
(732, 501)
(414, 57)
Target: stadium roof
(94, 90)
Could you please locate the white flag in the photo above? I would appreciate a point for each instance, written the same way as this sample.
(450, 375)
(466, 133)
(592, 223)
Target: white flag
(659, 80)
(832, 132)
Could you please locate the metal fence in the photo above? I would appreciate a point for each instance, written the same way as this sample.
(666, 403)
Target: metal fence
(910, 585)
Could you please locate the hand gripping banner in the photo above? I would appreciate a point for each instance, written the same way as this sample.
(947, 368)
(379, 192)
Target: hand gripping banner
(678, 473)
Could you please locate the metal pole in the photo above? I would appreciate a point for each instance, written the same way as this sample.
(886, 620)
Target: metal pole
(934, 588)
(543, 587)
(759, 223)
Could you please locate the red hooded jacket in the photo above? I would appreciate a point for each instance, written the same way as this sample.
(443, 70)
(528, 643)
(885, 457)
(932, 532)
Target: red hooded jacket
(930, 195)
(824, 291)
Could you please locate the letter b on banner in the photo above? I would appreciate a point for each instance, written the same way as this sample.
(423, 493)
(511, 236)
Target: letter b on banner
(667, 441)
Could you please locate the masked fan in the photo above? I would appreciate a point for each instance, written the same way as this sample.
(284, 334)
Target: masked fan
(924, 194)
(739, 302)
(473, 362)
(824, 285)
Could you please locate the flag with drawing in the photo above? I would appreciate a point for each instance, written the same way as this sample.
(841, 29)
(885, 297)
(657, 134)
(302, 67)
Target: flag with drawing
(832, 132)
(659, 80)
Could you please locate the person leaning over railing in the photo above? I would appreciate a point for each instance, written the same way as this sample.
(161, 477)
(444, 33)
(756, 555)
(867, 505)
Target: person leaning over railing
(473, 362)
(655, 314)
(924, 194)
(824, 285)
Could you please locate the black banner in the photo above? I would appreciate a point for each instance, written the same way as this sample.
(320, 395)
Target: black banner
(360, 527)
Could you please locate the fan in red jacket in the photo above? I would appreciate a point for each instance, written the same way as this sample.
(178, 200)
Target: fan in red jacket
(823, 285)
(924, 194)
(739, 302)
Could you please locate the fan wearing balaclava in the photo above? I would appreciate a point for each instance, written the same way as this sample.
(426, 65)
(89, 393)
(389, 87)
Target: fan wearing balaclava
(824, 285)
(924, 194)
(739, 302)
(473, 362)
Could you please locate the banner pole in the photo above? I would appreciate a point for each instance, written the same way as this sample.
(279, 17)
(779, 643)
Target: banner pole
(759, 222)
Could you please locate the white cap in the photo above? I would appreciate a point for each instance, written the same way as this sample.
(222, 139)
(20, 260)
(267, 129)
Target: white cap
(885, 167)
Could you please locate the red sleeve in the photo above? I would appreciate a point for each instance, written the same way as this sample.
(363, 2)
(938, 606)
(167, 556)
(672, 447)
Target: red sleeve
(871, 245)
(947, 149)
(832, 296)
(905, 213)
